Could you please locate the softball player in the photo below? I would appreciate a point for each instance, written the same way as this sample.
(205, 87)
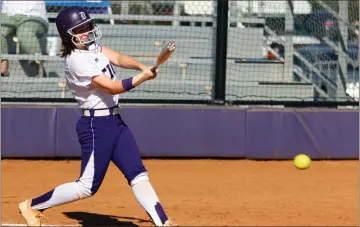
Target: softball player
(102, 133)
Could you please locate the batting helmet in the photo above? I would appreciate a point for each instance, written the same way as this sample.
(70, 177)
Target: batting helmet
(76, 18)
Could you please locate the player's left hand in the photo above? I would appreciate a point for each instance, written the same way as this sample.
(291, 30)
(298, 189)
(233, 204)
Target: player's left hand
(147, 71)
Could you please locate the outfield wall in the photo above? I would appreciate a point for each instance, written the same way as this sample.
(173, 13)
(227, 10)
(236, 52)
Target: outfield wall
(191, 132)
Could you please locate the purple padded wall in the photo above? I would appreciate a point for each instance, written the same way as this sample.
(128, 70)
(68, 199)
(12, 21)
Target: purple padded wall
(67, 144)
(188, 132)
(168, 132)
(284, 134)
(28, 132)
(191, 132)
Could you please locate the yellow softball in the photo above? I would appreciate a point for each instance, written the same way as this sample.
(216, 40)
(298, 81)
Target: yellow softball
(302, 161)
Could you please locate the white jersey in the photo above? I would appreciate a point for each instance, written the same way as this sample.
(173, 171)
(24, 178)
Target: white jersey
(80, 67)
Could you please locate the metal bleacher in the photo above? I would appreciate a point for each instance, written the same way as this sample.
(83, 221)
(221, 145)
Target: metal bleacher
(189, 71)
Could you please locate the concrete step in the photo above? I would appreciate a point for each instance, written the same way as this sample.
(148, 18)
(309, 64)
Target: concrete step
(155, 89)
(191, 41)
(254, 71)
(175, 68)
(270, 91)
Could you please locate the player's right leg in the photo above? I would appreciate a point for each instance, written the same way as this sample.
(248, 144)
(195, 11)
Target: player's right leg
(127, 158)
(96, 147)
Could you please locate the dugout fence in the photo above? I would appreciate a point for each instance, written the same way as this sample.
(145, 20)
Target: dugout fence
(228, 52)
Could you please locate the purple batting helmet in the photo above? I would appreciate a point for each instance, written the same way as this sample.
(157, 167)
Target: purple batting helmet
(75, 17)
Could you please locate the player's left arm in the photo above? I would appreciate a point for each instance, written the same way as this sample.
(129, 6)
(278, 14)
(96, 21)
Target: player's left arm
(122, 60)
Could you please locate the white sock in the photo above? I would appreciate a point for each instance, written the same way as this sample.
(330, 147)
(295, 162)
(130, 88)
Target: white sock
(62, 194)
(146, 196)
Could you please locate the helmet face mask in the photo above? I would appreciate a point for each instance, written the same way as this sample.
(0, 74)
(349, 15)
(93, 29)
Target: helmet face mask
(88, 28)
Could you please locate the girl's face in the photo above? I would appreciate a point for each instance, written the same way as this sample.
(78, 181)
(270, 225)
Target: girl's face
(82, 33)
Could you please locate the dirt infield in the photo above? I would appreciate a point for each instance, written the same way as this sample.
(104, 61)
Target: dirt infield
(197, 192)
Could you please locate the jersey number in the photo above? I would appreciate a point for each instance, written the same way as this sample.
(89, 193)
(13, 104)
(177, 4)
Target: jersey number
(110, 69)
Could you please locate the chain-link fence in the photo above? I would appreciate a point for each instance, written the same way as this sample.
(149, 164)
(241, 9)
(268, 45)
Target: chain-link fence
(276, 50)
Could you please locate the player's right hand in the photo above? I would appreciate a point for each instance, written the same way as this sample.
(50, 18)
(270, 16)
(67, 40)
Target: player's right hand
(149, 75)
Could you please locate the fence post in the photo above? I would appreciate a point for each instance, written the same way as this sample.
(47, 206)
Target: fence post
(289, 47)
(343, 50)
(176, 13)
(221, 50)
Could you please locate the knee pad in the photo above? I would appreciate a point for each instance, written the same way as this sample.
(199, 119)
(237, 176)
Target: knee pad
(139, 178)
